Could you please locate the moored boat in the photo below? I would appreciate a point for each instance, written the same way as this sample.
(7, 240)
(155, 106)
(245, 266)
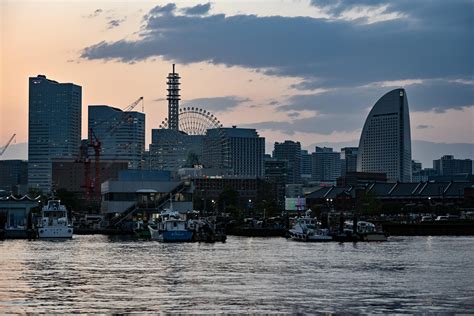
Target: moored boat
(307, 229)
(171, 228)
(54, 221)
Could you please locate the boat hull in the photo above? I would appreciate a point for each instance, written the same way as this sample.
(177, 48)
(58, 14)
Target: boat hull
(55, 232)
(171, 236)
(309, 238)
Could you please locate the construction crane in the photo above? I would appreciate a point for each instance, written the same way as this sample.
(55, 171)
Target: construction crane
(93, 187)
(8, 144)
(125, 115)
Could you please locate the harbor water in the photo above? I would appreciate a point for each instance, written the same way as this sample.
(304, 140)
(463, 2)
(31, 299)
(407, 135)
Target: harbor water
(100, 274)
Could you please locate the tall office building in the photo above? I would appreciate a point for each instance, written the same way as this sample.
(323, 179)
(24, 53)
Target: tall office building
(385, 143)
(14, 176)
(326, 164)
(448, 166)
(348, 160)
(171, 150)
(121, 134)
(306, 166)
(239, 150)
(54, 127)
(291, 152)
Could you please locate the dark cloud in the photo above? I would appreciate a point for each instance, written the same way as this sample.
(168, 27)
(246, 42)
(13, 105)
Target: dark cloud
(424, 126)
(113, 23)
(216, 104)
(428, 95)
(161, 10)
(199, 9)
(331, 53)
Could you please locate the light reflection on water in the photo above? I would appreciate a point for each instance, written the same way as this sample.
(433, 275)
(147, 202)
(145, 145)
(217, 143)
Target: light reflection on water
(92, 274)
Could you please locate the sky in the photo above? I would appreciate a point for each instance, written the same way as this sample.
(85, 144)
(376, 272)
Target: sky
(303, 70)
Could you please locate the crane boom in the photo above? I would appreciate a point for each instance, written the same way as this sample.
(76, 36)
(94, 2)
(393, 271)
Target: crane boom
(125, 115)
(8, 144)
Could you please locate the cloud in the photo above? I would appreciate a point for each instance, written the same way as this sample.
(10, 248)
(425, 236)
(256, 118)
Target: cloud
(159, 100)
(161, 10)
(328, 53)
(216, 104)
(423, 95)
(319, 124)
(113, 23)
(199, 9)
(424, 126)
(94, 14)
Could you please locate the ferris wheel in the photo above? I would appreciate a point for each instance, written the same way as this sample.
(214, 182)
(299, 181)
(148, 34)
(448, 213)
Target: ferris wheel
(194, 121)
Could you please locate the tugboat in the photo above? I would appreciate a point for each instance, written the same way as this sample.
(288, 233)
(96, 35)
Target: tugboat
(54, 221)
(171, 228)
(306, 229)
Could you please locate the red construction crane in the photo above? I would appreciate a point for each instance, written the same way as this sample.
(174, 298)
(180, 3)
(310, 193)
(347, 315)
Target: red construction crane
(93, 187)
(8, 144)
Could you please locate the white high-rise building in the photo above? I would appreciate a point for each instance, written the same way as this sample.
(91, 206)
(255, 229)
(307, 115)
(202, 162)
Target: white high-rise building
(385, 143)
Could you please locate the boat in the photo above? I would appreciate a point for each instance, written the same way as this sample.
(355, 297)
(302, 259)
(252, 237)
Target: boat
(141, 230)
(171, 228)
(54, 221)
(366, 231)
(307, 229)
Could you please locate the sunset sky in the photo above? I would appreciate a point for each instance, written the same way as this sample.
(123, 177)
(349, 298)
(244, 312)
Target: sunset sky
(301, 70)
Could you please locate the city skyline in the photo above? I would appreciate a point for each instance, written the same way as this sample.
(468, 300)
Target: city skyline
(284, 94)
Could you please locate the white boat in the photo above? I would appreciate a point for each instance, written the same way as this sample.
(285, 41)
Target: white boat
(366, 231)
(171, 228)
(54, 221)
(307, 229)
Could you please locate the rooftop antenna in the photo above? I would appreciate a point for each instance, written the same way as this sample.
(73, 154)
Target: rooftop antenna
(173, 99)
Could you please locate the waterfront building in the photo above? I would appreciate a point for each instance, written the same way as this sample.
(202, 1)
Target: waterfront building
(121, 134)
(385, 142)
(54, 127)
(14, 176)
(71, 175)
(291, 152)
(146, 189)
(15, 215)
(306, 166)
(239, 150)
(360, 179)
(348, 159)
(326, 165)
(448, 166)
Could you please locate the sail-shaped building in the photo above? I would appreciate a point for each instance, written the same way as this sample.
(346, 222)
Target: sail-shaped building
(385, 143)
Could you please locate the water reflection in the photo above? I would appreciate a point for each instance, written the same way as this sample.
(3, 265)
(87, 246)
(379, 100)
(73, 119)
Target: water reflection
(97, 274)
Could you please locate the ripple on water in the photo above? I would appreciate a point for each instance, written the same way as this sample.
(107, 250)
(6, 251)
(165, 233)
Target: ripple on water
(97, 274)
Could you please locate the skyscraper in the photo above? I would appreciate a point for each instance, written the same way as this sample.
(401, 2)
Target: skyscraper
(240, 150)
(54, 127)
(448, 166)
(348, 160)
(122, 134)
(326, 164)
(385, 143)
(291, 152)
